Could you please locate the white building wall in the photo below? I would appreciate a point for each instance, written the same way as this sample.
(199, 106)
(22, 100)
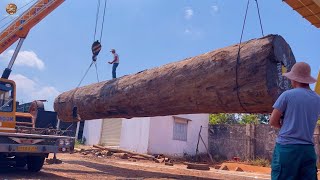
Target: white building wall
(135, 134)
(92, 131)
(161, 135)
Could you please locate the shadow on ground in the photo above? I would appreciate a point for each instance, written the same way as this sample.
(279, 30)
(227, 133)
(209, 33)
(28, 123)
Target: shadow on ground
(19, 173)
(126, 173)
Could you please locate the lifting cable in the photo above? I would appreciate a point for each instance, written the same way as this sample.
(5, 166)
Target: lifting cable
(97, 18)
(239, 49)
(96, 48)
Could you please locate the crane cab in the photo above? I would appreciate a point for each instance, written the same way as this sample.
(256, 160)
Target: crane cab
(7, 105)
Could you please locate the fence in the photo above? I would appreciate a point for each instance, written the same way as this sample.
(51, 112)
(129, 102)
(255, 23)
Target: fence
(245, 141)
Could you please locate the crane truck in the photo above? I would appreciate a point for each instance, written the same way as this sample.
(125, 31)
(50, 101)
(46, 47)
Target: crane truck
(21, 145)
(23, 142)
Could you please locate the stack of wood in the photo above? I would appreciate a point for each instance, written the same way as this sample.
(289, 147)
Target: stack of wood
(107, 152)
(124, 154)
(219, 81)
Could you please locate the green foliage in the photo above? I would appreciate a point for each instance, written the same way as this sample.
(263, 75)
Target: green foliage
(264, 118)
(80, 142)
(77, 143)
(222, 118)
(249, 119)
(260, 162)
(226, 118)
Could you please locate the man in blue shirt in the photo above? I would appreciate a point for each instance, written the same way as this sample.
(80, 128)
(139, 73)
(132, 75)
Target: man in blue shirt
(296, 112)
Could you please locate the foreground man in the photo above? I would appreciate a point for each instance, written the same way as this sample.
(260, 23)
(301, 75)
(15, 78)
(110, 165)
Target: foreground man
(294, 156)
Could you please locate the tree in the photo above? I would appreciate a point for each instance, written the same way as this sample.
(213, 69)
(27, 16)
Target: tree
(249, 119)
(222, 118)
(264, 118)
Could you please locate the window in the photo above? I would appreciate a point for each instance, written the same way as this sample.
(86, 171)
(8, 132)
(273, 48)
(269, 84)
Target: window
(180, 129)
(6, 97)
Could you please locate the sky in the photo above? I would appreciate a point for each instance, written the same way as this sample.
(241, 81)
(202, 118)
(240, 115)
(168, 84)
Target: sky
(146, 34)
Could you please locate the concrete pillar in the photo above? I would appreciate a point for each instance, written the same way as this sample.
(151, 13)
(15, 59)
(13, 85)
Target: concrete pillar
(77, 130)
(250, 141)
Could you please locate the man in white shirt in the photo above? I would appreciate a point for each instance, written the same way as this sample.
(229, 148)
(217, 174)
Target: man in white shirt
(115, 63)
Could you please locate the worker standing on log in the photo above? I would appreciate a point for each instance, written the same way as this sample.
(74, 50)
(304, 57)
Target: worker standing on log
(294, 155)
(115, 63)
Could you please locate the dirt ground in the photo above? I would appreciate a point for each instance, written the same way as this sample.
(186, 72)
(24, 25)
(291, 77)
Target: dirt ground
(78, 166)
(248, 168)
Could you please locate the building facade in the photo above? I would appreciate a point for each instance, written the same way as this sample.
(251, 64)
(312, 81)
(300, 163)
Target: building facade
(169, 135)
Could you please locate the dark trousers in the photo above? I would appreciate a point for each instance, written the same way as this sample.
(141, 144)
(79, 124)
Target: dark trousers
(294, 162)
(114, 68)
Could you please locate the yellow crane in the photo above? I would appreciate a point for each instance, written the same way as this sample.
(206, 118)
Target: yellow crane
(317, 87)
(22, 145)
(308, 9)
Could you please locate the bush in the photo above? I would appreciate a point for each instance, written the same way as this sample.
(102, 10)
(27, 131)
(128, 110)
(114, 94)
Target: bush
(260, 162)
(222, 118)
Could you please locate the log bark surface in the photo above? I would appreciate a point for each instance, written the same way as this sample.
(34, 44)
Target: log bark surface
(201, 84)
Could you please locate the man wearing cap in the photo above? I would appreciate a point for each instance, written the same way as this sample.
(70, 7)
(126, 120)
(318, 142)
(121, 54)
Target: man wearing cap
(115, 63)
(294, 156)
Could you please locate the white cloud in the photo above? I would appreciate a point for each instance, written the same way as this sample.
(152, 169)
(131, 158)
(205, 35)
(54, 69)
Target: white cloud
(45, 92)
(214, 9)
(29, 90)
(194, 33)
(24, 84)
(188, 13)
(25, 58)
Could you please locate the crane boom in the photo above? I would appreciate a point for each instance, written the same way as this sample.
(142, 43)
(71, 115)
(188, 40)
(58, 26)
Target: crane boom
(317, 87)
(22, 25)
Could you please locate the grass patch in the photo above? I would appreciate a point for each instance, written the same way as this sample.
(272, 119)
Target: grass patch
(79, 142)
(260, 162)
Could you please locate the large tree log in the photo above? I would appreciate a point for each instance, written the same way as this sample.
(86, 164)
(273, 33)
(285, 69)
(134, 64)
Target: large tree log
(201, 84)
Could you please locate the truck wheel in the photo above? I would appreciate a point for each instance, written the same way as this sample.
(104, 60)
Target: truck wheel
(35, 163)
(21, 162)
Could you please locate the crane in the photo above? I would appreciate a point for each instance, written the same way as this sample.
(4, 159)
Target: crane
(19, 29)
(29, 145)
(317, 87)
(20, 144)
(308, 9)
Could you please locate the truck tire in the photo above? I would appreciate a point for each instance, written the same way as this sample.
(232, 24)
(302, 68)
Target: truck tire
(21, 162)
(35, 163)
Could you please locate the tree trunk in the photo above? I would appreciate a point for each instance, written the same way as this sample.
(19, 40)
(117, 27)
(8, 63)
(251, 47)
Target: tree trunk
(209, 83)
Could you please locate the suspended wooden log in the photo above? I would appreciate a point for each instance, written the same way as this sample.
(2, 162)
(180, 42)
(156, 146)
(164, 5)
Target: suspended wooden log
(209, 83)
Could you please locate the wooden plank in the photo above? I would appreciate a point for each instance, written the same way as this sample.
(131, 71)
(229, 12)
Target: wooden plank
(123, 151)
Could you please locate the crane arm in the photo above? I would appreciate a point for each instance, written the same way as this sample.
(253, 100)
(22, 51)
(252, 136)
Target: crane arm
(22, 25)
(317, 88)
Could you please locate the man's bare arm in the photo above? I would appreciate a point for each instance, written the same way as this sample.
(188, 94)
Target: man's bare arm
(275, 118)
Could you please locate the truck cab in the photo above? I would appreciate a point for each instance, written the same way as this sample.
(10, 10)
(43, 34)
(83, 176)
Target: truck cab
(23, 142)
(7, 105)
